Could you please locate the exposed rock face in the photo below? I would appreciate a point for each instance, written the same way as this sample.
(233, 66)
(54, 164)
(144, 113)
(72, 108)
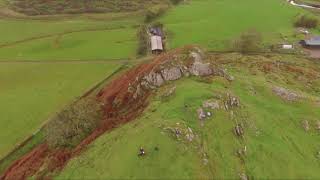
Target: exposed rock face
(285, 94)
(154, 79)
(200, 69)
(171, 73)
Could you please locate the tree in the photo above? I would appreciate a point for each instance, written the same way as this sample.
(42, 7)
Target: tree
(74, 123)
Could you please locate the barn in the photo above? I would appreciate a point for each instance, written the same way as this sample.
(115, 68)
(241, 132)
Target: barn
(156, 44)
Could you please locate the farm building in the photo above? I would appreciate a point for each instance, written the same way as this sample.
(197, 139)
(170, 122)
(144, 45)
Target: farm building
(313, 42)
(156, 44)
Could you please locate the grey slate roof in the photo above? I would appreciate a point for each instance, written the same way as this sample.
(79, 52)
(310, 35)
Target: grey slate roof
(314, 41)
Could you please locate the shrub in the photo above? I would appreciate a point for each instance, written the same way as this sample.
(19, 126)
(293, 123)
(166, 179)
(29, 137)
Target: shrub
(306, 22)
(175, 2)
(248, 42)
(73, 124)
(142, 40)
(153, 13)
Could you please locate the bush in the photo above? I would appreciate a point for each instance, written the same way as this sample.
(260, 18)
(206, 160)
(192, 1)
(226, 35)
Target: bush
(175, 2)
(73, 124)
(249, 42)
(153, 13)
(306, 22)
(143, 40)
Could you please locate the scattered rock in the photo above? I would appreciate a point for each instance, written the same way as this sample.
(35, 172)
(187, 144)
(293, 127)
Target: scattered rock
(171, 74)
(189, 135)
(201, 114)
(242, 152)
(231, 102)
(138, 93)
(238, 130)
(170, 92)
(285, 94)
(243, 176)
(318, 126)
(211, 104)
(305, 125)
(154, 79)
(223, 73)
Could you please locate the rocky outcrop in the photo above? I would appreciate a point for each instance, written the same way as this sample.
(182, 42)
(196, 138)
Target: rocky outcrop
(286, 94)
(201, 69)
(171, 73)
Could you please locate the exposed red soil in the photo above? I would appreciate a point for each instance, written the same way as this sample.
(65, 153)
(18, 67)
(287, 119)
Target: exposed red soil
(28, 164)
(119, 107)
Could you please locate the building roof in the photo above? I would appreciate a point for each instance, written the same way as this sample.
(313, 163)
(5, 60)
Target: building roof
(314, 41)
(156, 31)
(156, 43)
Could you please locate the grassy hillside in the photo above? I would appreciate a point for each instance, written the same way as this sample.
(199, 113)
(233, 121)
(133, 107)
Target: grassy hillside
(214, 23)
(38, 7)
(31, 92)
(275, 142)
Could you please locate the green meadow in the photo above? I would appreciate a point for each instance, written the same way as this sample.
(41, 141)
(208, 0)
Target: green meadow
(91, 45)
(32, 92)
(276, 144)
(214, 23)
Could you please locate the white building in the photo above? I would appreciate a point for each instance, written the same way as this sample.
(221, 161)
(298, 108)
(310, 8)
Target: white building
(156, 44)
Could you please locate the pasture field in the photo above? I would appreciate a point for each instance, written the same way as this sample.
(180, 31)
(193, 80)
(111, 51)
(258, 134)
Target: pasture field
(214, 23)
(91, 45)
(32, 92)
(276, 144)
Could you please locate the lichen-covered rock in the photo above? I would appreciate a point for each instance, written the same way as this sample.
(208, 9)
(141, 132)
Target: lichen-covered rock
(196, 56)
(286, 94)
(211, 104)
(154, 79)
(171, 73)
(201, 69)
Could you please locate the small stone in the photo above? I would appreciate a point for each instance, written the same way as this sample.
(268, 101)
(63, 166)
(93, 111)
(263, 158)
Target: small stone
(243, 176)
(201, 114)
(212, 104)
(305, 125)
(239, 130)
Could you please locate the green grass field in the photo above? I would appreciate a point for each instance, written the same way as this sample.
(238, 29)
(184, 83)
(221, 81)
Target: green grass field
(92, 37)
(214, 23)
(277, 145)
(109, 44)
(32, 92)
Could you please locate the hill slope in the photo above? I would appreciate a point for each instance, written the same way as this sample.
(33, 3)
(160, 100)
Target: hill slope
(280, 130)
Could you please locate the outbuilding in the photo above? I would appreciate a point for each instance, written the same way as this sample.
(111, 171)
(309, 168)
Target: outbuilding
(313, 42)
(156, 44)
